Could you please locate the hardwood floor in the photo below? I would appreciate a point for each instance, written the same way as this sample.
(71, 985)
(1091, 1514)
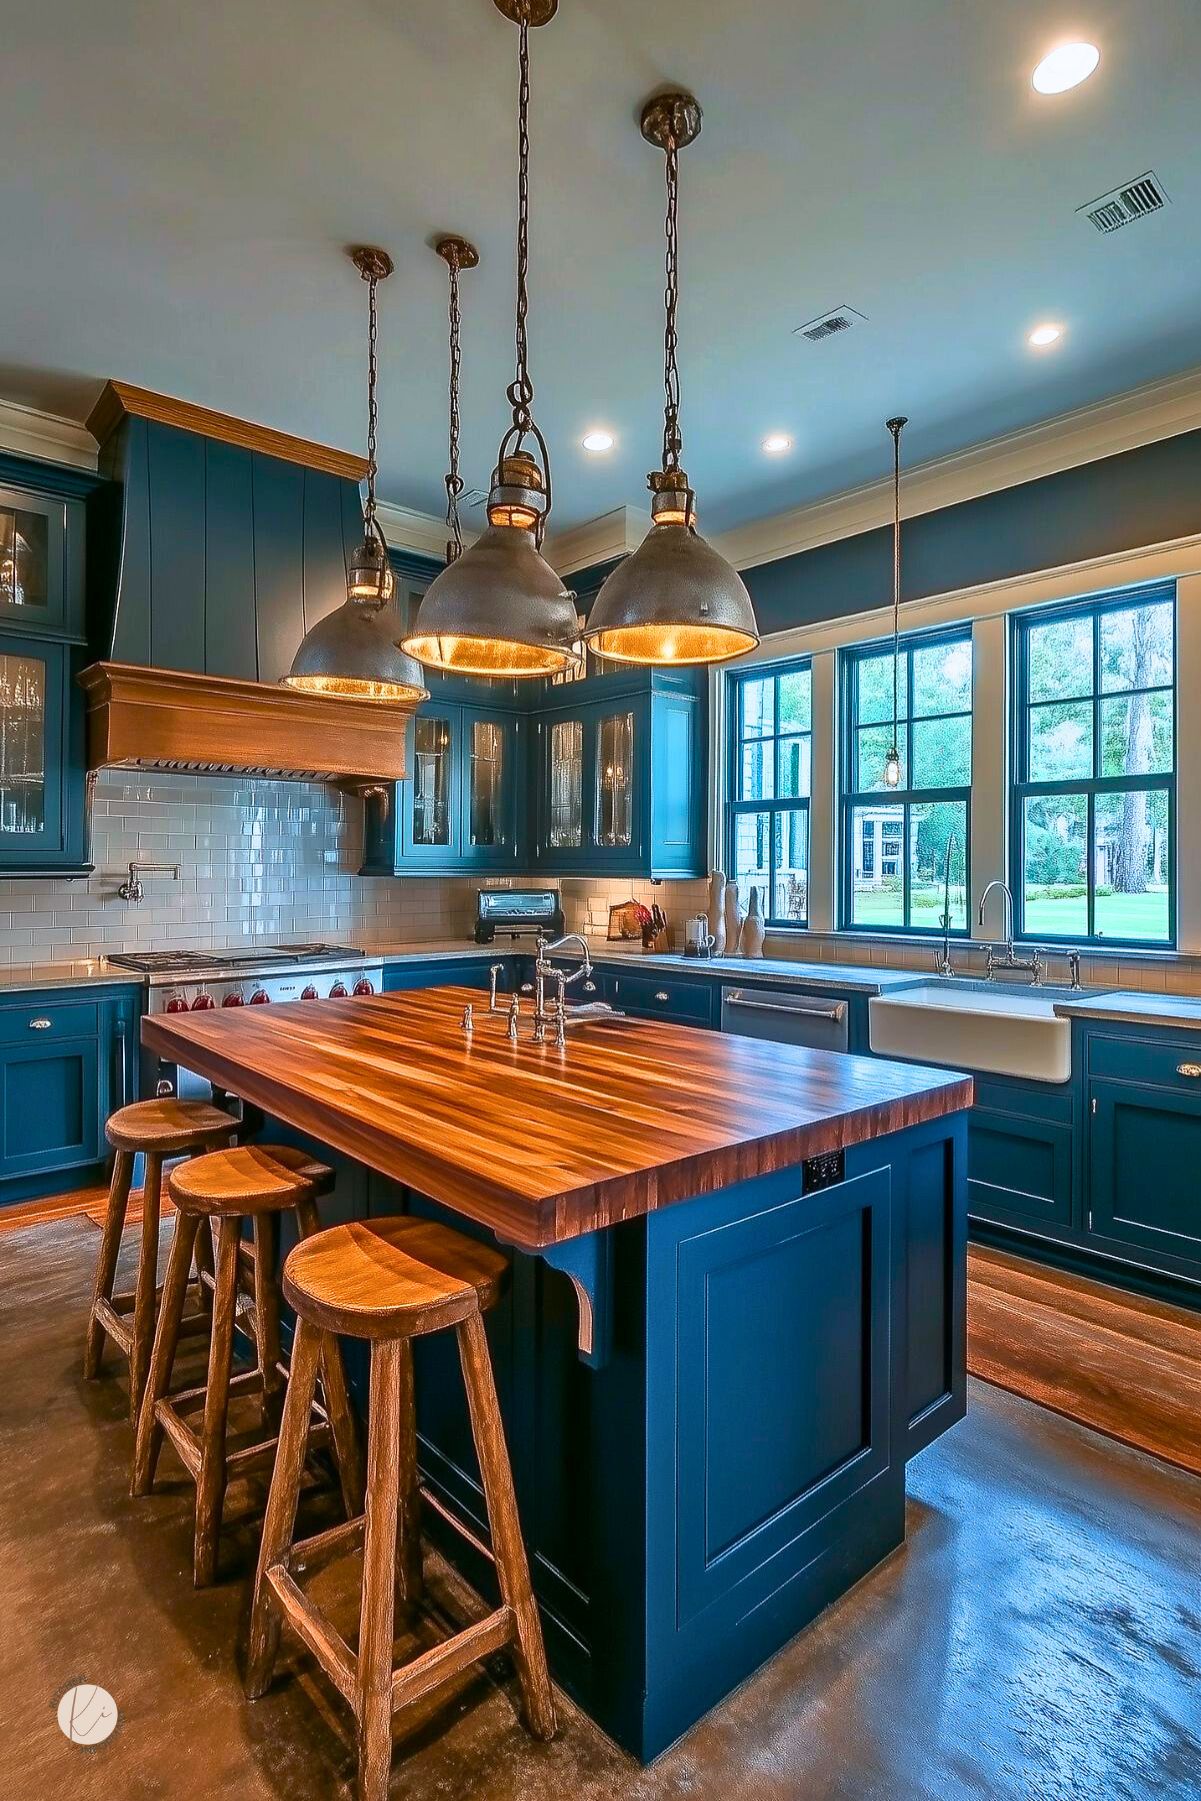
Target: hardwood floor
(1125, 1365)
(85, 1203)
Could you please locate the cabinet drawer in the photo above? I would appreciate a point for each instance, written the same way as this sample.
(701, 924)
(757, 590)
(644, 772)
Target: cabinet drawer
(691, 1003)
(40, 1023)
(1176, 1065)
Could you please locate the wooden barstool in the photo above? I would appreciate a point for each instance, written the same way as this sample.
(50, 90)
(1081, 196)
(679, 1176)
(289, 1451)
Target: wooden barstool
(255, 1183)
(390, 1281)
(158, 1130)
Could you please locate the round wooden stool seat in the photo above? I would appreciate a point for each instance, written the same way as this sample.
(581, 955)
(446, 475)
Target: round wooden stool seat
(391, 1278)
(168, 1125)
(248, 1178)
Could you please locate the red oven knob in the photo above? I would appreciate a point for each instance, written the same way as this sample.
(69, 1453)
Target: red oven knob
(236, 999)
(338, 992)
(259, 998)
(309, 994)
(363, 986)
(177, 1004)
(203, 1002)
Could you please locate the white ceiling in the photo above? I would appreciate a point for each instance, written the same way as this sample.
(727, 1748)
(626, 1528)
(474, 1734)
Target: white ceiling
(177, 182)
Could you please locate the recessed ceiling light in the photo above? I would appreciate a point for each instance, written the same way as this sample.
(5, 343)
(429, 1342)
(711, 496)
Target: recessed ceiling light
(1042, 335)
(776, 443)
(1065, 67)
(597, 441)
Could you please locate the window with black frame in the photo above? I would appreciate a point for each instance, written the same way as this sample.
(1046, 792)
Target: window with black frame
(1094, 799)
(770, 776)
(900, 843)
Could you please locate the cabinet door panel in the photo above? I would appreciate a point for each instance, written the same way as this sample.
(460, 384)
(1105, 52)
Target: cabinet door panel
(432, 828)
(1018, 1167)
(33, 560)
(50, 1105)
(490, 788)
(1144, 1155)
(33, 750)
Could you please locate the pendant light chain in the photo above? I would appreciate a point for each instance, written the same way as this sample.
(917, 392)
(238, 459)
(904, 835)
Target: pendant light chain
(894, 426)
(672, 441)
(372, 409)
(521, 393)
(454, 481)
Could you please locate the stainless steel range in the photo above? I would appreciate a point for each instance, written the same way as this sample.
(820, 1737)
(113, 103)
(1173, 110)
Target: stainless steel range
(180, 981)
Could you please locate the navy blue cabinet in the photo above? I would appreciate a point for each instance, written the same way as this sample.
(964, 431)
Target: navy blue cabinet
(462, 805)
(446, 972)
(648, 995)
(1144, 1148)
(619, 776)
(68, 1058)
(1020, 1153)
(43, 781)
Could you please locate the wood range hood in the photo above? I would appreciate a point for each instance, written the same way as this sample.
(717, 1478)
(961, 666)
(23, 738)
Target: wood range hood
(213, 546)
(165, 719)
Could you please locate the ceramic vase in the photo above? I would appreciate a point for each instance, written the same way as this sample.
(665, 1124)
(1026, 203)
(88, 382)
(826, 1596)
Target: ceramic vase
(716, 916)
(733, 919)
(750, 941)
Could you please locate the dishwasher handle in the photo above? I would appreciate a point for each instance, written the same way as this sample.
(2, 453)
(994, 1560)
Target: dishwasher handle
(811, 1009)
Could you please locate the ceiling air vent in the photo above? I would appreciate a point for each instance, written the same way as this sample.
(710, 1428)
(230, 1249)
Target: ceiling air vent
(1134, 200)
(829, 324)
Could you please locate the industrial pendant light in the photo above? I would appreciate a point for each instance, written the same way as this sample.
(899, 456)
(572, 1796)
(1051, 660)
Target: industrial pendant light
(457, 254)
(499, 608)
(353, 651)
(892, 762)
(674, 600)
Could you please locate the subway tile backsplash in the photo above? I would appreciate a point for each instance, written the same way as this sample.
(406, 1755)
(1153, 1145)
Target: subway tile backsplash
(277, 861)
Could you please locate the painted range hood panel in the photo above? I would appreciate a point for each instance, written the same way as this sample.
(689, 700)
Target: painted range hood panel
(212, 548)
(163, 719)
(215, 544)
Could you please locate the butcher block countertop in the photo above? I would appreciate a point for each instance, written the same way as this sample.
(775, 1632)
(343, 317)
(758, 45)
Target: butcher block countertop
(538, 1144)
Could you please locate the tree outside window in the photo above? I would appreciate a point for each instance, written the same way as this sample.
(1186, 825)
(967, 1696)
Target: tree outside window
(771, 721)
(896, 840)
(1095, 760)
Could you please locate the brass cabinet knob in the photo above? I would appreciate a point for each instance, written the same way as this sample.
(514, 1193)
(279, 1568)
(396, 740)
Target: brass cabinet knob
(1189, 1069)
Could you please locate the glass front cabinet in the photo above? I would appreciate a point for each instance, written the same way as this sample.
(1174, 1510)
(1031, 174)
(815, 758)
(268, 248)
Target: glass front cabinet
(43, 779)
(459, 807)
(620, 776)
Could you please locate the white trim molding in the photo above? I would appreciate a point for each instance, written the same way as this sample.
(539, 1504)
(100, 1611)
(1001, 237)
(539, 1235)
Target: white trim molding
(26, 432)
(599, 540)
(424, 534)
(1144, 416)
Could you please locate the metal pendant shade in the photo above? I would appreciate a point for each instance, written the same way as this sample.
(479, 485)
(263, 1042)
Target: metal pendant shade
(498, 608)
(674, 600)
(353, 652)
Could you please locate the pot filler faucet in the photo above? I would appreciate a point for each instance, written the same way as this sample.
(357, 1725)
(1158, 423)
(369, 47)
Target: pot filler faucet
(1031, 965)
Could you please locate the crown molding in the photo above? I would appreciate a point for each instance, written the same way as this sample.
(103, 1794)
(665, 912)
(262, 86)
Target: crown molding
(424, 534)
(599, 540)
(1143, 416)
(24, 431)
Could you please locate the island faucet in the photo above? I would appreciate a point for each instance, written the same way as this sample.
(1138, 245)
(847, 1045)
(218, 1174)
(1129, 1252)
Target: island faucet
(1031, 965)
(544, 971)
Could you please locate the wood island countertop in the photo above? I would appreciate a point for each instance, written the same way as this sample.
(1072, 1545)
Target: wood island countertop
(538, 1144)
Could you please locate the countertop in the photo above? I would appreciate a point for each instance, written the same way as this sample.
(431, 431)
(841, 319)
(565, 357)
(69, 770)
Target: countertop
(861, 978)
(1135, 1008)
(538, 1144)
(81, 974)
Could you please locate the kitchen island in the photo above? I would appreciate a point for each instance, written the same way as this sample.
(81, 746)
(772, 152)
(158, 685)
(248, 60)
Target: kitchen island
(737, 1305)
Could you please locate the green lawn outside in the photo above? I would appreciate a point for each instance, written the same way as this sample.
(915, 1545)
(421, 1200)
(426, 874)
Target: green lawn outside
(1141, 917)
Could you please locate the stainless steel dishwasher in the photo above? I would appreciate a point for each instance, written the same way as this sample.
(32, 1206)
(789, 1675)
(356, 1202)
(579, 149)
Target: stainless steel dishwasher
(786, 1017)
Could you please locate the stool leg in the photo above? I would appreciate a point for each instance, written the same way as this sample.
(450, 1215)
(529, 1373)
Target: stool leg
(279, 1523)
(162, 1358)
(343, 1425)
(147, 1283)
(266, 1314)
(409, 1584)
(512, 1569)
(377, 1619)
(204, 1267)
(106, 1265)
(210, 1484)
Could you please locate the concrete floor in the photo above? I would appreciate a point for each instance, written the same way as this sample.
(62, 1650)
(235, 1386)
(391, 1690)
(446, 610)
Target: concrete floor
(1038, 1637)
